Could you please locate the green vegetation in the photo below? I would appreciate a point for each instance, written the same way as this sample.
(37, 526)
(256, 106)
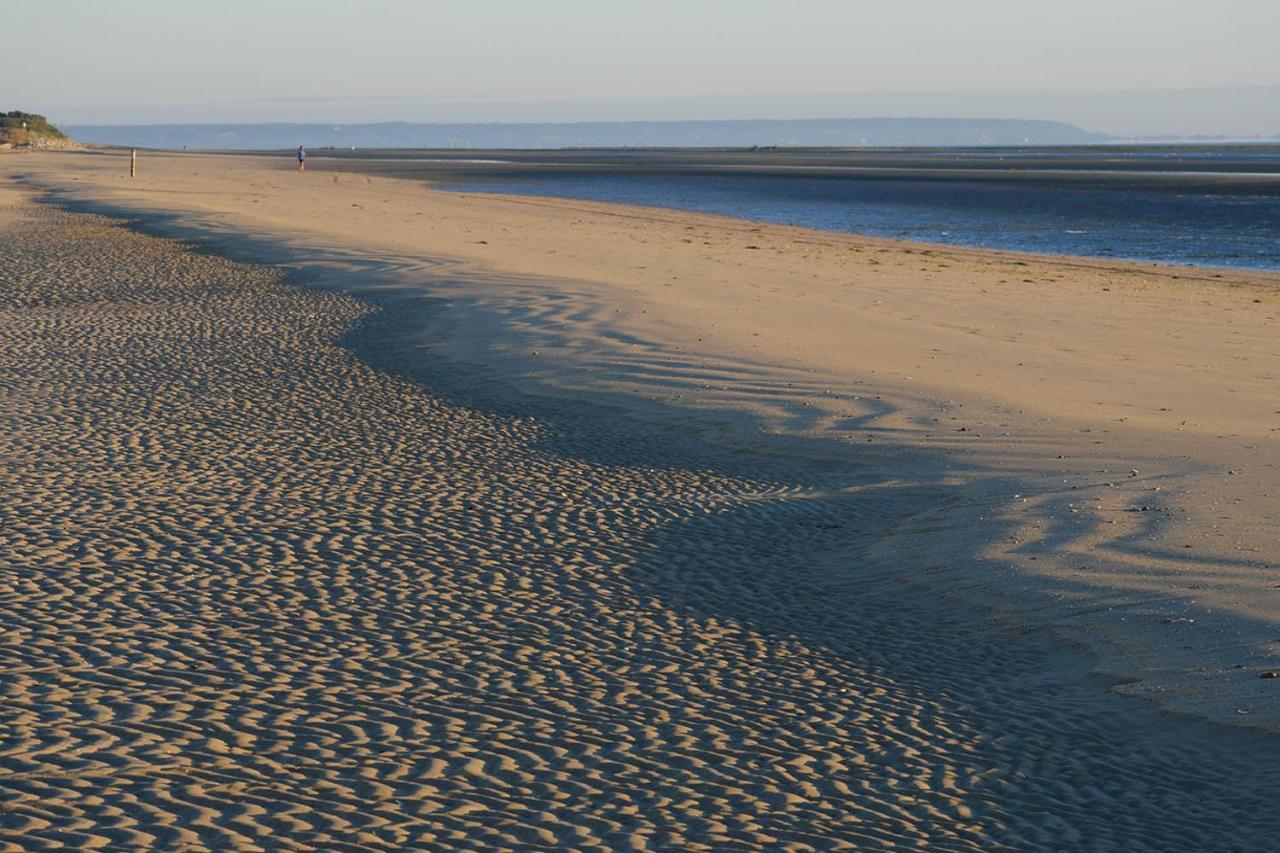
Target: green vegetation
(19, 128)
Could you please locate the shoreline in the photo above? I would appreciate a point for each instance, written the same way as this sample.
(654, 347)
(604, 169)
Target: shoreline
(435, 591)
(1261, 276)
(1209, 274)
(1046, 597)
(824, 191)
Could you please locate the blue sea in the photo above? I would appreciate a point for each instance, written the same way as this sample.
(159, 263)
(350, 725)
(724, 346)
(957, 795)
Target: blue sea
(1193, 211)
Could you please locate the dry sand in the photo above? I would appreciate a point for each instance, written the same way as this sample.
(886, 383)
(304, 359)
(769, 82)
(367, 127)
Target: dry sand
(311, 573)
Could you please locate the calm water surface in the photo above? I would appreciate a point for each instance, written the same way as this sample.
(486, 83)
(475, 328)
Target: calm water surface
(1195, 211)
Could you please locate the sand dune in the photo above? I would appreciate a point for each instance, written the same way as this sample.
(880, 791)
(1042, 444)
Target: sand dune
(274, 575)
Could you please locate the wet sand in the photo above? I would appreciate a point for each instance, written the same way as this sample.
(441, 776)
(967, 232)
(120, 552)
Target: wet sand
(1234, 166)
(326, 570)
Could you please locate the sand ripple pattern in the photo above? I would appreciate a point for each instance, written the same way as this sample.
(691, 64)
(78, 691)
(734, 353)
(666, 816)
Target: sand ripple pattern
(257, 594)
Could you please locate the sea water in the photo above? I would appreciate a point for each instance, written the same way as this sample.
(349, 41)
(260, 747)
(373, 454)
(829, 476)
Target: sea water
(1199, 212)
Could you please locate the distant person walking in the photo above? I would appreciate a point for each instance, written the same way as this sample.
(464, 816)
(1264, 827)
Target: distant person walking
(302, 159)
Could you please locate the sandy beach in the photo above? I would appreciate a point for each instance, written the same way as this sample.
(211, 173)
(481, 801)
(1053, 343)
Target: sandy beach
(344, 513)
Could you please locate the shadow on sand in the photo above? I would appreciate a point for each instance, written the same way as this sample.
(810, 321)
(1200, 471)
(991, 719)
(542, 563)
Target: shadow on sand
(1046, 754)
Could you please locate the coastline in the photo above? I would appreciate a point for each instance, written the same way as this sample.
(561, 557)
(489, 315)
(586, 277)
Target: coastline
(1146, 209)
(1036, 517)
(1209, 274)
(628, 614)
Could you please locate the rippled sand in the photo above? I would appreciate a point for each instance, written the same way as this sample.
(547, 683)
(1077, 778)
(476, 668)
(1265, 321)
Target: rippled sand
(258, 593)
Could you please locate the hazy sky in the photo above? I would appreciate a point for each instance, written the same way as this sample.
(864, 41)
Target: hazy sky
(133, 60)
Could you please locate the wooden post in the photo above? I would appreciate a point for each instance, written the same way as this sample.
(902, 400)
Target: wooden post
(133, 162)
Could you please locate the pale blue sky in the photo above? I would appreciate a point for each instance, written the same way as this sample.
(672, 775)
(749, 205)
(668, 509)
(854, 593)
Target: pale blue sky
(133, 60)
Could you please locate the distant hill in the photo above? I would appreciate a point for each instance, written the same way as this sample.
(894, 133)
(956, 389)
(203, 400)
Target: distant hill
(865, 132)
(28, 129)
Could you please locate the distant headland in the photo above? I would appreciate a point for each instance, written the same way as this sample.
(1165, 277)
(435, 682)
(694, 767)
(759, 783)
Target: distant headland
(29, 130)
(829, 132)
